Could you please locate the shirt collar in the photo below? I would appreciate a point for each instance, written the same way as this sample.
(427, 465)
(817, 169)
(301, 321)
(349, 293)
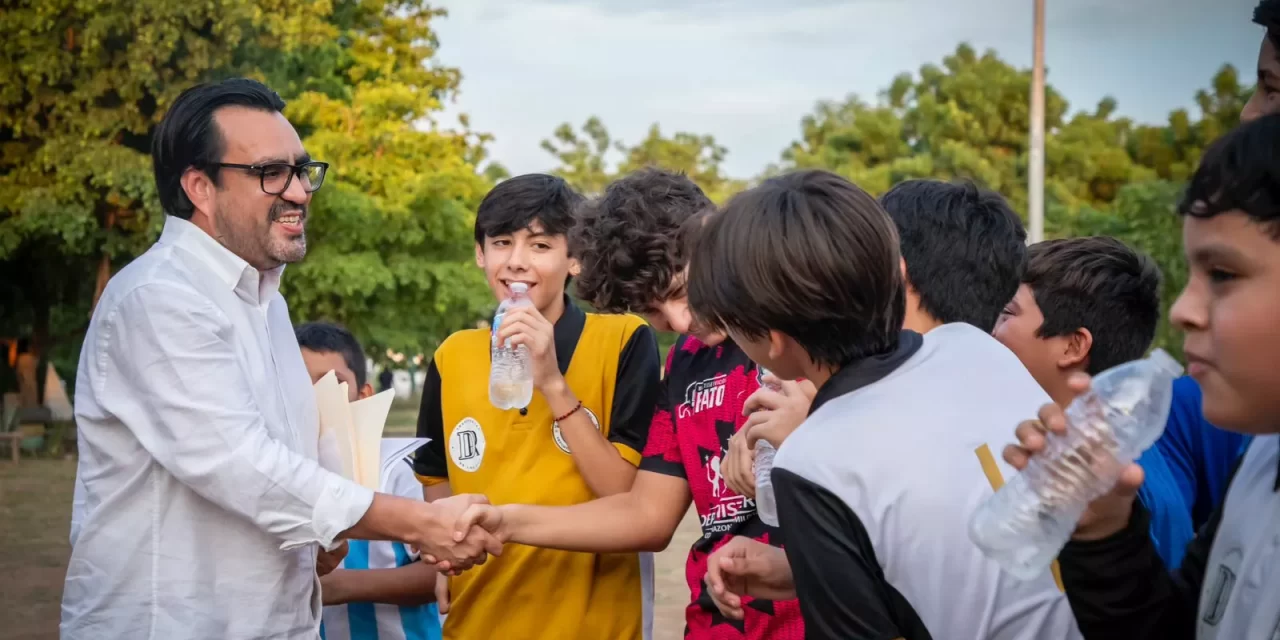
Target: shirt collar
(860, 373)
(567, 331)
(256, 287)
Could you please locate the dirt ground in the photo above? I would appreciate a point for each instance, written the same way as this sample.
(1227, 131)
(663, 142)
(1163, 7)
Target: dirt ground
(35, 516)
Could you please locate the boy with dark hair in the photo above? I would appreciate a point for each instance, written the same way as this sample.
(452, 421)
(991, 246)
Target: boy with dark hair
(1086, 305)
(1228, 585)
(1199, 454)
(596, 379)
(633, 242)
(381, 589)
(963, 248)
(803, 272)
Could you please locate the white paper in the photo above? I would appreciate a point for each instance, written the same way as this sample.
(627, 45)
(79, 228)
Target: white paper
(335, 447)
(351, 442)
(368, 419)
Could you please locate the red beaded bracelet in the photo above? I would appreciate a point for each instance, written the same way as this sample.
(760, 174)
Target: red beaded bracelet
(571, 412)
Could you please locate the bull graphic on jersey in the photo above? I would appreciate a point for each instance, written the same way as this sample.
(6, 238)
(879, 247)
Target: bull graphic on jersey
(714, 476)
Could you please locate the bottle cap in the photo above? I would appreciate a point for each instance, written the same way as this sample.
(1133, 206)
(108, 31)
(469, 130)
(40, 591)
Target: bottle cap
(519, 288)
(1162, 359)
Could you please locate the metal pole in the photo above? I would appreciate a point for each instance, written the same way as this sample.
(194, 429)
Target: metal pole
(1035, 186)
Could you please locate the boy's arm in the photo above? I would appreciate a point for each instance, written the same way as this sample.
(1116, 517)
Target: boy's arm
(642, 519)
(411, 585)
(429, 462)
(609, 464)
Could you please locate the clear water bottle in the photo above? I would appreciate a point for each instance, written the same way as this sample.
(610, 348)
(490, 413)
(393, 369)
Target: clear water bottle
(1026, 523)
(766, 504)
(510, 369)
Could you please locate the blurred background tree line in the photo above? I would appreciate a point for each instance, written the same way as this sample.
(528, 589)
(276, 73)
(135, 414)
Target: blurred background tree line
(390, 238)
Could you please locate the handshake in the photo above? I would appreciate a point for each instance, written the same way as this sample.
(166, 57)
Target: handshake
(459, 532)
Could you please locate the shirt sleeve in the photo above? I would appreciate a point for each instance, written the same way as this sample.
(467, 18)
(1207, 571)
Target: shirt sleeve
(169, 372)
(1119, 589)
(662, 447)
(429, 463)
(635, 394)
(838, 580)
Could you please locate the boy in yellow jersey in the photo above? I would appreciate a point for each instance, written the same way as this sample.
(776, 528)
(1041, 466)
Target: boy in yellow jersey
(596, 381)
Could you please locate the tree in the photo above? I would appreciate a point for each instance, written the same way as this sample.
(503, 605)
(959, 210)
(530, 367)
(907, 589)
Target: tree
(84, 87)
(391, 239)
(584, 163)
(1144, 217)
(582, 157)
(968, 118)
(88, 87)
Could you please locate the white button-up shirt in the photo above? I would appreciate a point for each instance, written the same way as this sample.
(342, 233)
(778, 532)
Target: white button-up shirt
(199, 502)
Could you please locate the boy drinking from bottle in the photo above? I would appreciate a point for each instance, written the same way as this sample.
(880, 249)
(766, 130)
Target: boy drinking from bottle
(633, 241)
(1228, 584)
(595, 381)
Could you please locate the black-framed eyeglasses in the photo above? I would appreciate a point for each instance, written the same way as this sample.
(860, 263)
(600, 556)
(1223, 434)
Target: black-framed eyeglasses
(276, 177)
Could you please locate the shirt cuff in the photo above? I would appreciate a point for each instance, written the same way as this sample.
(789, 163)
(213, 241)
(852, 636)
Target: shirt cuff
(340, 506)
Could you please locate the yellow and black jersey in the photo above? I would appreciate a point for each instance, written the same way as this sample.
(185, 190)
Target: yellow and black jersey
(518, 456)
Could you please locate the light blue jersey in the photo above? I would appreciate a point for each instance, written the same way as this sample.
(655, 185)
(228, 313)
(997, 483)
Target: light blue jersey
(367, 620)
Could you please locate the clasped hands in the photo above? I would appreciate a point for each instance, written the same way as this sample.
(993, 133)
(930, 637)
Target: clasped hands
(461, 532)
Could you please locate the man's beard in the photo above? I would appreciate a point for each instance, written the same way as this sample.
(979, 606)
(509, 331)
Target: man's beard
(257, 246)
(292, 249)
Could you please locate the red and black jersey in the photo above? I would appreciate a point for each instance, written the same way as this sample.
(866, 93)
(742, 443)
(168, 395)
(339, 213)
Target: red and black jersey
(700, 409)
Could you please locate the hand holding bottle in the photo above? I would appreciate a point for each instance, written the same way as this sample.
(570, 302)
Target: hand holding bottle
(1108, 514)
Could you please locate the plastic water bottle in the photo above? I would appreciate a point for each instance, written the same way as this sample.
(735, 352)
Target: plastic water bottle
(510, 369)
(766, 504)
(1026, 523)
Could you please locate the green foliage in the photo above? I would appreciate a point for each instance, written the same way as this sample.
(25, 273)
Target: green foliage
(391, 239)
(1143, 215)
(583, 159)
(969, 118)
(86, 83)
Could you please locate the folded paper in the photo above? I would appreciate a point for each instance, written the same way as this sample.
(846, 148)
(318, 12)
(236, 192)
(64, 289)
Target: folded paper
(351, 432)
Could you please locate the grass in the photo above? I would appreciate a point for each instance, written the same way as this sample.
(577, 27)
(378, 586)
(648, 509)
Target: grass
(35, 509)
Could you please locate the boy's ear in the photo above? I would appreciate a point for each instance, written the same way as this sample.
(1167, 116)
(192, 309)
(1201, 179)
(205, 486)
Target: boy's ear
(777, 344)
(479, 255)
(365, 391)
(1078, 346)
(575, 267)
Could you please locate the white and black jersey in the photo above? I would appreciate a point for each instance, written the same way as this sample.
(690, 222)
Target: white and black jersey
(1227, 588)
(875, 490)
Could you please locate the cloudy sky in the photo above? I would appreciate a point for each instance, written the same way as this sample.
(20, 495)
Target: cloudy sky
(746, 71)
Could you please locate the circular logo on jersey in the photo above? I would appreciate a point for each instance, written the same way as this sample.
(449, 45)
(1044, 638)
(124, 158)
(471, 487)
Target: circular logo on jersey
(555, 430)
(466, 445)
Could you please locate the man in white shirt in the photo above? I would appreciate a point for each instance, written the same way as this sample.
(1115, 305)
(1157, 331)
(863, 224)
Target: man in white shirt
(200, 505)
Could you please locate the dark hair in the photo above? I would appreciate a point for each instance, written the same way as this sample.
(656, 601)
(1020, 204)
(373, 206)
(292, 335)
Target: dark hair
(633, 240)
(188, 137)
(518, 202)
(1267, 14)
(808, 254)
(1100, 284)
(963, 246)
(1240, 172)
(326, 337)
